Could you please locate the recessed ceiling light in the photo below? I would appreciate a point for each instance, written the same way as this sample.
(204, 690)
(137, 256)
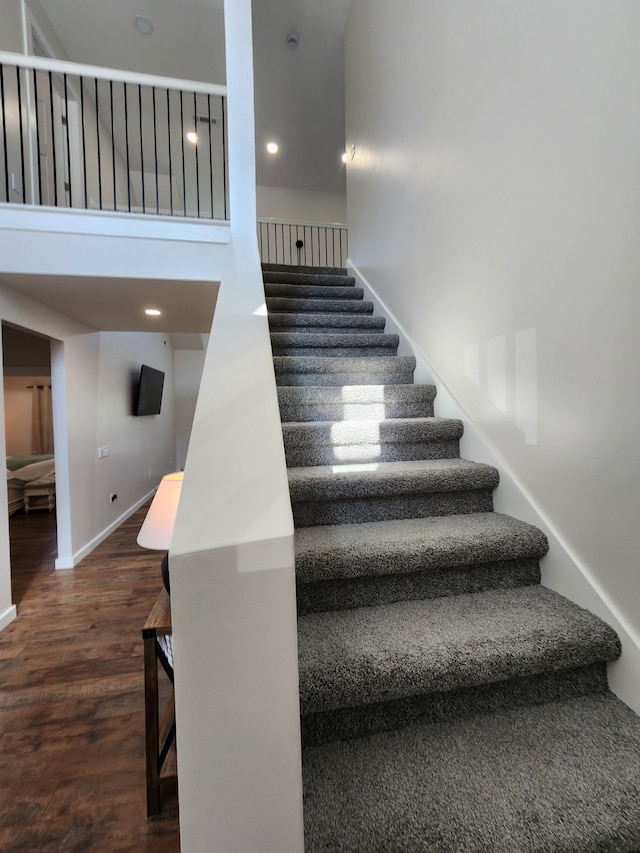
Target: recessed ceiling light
(152, 312)
(192, 136)
(143, 25)
(344, 157)
(272, 147)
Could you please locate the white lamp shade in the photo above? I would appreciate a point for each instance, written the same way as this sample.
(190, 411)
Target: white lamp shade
(157, 528)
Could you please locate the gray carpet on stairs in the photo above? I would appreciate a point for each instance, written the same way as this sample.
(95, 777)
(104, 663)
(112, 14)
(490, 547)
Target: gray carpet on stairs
(449, 702)
(560, 777)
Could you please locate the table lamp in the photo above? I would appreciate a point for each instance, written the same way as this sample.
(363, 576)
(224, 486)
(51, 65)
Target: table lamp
(157, 528)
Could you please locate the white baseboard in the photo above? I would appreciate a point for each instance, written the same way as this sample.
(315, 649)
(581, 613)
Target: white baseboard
(562, 569)
(70, 561)
(7, 617)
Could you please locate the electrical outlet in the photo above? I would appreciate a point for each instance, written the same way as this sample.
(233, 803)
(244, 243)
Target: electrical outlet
(113, 497)
(102, 452)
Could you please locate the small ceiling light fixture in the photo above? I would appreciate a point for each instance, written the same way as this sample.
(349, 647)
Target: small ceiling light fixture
(152, 312)
(143, 25)
(292, 40)
(272, 147)
(344, 157)
(192, 136)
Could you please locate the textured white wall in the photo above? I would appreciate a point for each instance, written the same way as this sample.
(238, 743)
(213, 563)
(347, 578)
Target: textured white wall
(493, 205)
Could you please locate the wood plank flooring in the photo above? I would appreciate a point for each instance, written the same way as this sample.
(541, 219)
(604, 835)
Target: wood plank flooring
(72, 766)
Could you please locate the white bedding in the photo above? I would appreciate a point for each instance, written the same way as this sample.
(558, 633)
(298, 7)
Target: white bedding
(16, 480)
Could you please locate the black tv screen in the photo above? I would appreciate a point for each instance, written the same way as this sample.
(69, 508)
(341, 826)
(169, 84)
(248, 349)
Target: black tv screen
(149, 391)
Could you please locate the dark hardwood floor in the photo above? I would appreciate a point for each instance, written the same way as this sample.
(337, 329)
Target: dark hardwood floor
(72, 766)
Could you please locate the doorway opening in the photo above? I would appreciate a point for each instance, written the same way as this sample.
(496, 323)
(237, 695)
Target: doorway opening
(30, 456)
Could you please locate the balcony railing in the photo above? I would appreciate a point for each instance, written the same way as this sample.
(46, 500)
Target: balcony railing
(302, 243)
(95, 138)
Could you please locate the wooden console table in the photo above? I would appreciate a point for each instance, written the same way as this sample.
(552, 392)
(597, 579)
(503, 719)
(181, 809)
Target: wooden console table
(160, 729)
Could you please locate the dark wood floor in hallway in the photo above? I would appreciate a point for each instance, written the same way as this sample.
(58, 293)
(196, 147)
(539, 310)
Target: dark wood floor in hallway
(72, 767)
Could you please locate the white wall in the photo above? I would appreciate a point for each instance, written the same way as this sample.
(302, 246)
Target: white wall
(301, 205)
(187, 371)
(102, 369)
(492, 206)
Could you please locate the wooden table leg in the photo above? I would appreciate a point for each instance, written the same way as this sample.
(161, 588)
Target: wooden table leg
(152, 726)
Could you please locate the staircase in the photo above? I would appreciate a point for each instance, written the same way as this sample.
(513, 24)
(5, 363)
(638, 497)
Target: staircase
(448, 701)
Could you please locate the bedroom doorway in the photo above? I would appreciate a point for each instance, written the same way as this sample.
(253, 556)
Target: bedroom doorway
(30, 462)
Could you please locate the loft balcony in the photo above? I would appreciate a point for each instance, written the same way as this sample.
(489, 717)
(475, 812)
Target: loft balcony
(91, 138)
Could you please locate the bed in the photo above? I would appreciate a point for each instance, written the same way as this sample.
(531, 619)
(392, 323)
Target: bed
(24, 470)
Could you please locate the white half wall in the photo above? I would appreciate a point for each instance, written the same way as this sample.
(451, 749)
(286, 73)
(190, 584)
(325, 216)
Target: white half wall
(301, 205)
(233, 593)
(492, 206)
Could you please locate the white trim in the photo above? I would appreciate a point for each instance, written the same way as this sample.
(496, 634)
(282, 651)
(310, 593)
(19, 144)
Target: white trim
(562, 570)
(72, 561)
(114, 74)
(7, 617)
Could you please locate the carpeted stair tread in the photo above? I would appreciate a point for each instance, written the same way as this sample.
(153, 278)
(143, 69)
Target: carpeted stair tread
(355, 402)
(358, 493)
(413, 545)
(342, 370)
(389, 478)
(285, 304)
(392, 439)
(313, 291)
(316, 278)
(316, 323)
(561, 776)
(350, 658)
(301, 268)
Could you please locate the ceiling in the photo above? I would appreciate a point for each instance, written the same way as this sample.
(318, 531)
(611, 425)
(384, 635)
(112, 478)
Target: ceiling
(118, 304)
(299, 102)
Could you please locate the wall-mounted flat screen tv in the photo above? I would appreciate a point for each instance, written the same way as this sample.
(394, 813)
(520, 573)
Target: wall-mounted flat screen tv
(149, 397)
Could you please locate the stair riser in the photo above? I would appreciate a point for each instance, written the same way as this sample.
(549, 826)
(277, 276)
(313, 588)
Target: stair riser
(359, 510)
(326, 323)
(340, 379)
(337, 352)
(364, 403)
(374, 590)
(328, 330)
(301, 268)
(337, 344)
(286, 305)
(303, 291)
(364, 720)
(317, 278)
(354, 411)
(383, 452)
